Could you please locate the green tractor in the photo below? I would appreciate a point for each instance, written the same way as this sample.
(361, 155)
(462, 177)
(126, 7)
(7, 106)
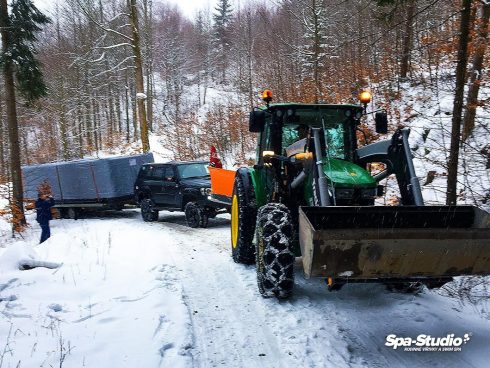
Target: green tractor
(310, 195)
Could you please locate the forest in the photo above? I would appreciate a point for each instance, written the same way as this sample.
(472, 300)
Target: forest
(116, 70)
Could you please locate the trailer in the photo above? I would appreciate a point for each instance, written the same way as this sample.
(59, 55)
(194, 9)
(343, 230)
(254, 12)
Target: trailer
(99, 184)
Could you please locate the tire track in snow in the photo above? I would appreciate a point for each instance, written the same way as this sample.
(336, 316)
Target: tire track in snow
(234, 325)
(229, 328)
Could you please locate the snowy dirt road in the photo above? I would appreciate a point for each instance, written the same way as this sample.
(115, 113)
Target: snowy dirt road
(132, 294)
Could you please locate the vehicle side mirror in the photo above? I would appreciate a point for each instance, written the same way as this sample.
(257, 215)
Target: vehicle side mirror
(381, 119)
(257, 121)
(170, 178)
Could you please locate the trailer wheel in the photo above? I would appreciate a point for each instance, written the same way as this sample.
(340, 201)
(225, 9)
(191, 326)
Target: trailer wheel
(72, 213)
(275, 259)
(243, 218)
(195, 215)
(147, 212)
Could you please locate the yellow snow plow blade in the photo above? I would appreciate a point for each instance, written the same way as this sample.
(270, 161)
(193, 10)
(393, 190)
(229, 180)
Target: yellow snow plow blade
(394, 242)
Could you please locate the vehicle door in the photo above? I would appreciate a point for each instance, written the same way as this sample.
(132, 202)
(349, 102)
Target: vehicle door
(155, 183)
(171, 191)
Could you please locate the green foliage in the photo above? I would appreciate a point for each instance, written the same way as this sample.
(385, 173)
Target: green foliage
(223, 13)
(222, 18)
(25, 22)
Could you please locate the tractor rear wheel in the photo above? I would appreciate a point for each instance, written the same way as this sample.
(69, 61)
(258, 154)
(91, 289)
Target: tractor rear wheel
(147, 212)
(243, 217)
(275, 259)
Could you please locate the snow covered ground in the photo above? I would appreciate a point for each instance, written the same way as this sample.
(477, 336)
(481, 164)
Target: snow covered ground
(130, 294)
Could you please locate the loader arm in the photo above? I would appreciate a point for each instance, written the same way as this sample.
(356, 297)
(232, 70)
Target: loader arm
(403, 243)
(396, 154)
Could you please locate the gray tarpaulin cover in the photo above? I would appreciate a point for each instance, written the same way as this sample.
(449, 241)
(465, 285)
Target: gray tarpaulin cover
(91, 180)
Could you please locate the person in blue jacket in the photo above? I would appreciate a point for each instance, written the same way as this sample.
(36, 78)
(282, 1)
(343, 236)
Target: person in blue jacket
(43, 209)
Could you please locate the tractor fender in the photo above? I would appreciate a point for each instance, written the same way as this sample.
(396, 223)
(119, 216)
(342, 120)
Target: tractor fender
(244, 173)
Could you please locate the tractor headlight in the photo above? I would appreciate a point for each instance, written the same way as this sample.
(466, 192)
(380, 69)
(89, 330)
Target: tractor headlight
(344, 193)
(205, 191)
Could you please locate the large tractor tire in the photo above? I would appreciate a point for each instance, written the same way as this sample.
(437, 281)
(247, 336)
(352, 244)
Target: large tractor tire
(195, 215)
(147, 212)
(243, 218)
(275, 258)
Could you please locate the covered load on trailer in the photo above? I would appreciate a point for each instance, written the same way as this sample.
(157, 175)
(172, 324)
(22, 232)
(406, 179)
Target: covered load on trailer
(96, 183)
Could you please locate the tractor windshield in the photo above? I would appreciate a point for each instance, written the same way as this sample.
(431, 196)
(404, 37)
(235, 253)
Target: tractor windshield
(335, 122)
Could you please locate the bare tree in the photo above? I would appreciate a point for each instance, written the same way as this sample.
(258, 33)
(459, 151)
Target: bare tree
(452, 175)
(476, 71)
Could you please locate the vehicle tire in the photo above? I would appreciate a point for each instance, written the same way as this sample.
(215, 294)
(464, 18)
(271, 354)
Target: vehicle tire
(204, 219)
(211, 212)
(194, 215)
(243, 218)
(405, 287)
(275, 258)
(147, 212)
(72, 213)
(63, 213)
(437, 283)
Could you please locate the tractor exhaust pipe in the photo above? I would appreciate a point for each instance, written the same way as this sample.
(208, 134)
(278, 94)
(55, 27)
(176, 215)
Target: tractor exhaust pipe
(414, 181)
(320, 177)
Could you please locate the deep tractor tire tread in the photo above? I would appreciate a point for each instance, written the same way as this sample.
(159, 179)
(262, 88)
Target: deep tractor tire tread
(195, 216)
(147, 212)
(244, 252)
(275, 258)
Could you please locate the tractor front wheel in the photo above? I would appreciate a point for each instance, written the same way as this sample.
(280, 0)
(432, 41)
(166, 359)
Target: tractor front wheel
(274, 256)
(243, 217)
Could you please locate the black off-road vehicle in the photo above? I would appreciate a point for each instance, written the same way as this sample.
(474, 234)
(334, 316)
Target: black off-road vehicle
(176, 186)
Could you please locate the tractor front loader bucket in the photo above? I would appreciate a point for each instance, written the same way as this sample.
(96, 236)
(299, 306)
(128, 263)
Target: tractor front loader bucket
(406, 242)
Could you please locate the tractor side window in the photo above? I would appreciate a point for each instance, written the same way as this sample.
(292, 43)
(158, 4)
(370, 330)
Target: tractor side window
(289, 135)
(264, 145)
(334, 138)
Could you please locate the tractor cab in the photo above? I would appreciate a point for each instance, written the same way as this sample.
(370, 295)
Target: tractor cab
(282, 125)
(291, 129)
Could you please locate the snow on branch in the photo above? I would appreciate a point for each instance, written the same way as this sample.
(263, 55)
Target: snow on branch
(113, 68)
(29, 264)
(101, 26)
(114, 46)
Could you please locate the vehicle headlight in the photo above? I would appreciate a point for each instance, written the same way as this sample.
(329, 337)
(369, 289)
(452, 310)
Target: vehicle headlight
(205, 191)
